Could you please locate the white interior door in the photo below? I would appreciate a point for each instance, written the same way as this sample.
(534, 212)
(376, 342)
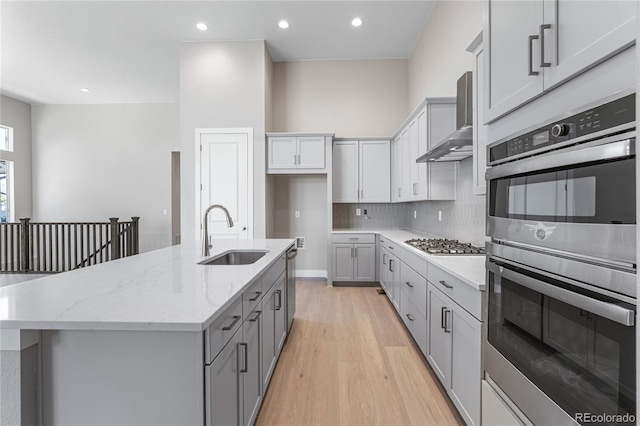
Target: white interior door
(225, 178)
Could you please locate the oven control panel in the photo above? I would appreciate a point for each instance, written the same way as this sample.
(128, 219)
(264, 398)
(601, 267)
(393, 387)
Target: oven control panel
(592, 120)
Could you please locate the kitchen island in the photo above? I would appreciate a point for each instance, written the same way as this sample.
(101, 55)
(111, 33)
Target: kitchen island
(134, 341)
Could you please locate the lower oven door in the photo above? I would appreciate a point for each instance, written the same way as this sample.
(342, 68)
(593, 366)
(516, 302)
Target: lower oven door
(562, 354)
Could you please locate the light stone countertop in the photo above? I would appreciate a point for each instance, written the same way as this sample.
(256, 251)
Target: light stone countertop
(470, 269)
(159, 290)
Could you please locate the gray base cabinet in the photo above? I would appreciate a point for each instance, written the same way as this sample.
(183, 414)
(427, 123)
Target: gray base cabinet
(274, 331)
(453, 350)
(354, 257)
(222, 386)
(250, 367)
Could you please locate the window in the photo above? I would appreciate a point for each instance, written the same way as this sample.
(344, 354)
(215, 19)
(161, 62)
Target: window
(6, 174)
(6, 138)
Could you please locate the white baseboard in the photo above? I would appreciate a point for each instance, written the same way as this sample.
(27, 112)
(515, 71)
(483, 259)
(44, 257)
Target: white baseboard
(312, 273)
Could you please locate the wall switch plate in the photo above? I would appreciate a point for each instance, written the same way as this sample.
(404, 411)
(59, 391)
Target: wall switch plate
(301, 242)
(358, 212)
(415, 214)
(297, 214)
(439, 215)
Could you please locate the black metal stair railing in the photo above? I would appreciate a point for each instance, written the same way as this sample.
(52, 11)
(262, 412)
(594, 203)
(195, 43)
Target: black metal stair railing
(46, 247)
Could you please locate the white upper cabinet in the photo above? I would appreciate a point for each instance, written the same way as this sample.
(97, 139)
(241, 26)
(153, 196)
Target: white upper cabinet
(361, 171)
(297, 153)
(426, 127)
(533, 46)
(479, 128)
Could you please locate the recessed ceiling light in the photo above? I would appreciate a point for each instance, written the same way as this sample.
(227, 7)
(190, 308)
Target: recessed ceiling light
(84, 89)
(202, 26)
(283, 24)
(356, 22)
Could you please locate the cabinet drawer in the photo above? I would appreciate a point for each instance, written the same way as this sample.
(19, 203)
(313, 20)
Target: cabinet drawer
(461, 293)
(415, 321)
(417, 262)
(251, 297)
(354, 238)
(218, 334)
(415, 287)
(272, 274)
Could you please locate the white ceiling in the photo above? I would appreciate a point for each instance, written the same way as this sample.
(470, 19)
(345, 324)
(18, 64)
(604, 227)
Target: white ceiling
(128, 51)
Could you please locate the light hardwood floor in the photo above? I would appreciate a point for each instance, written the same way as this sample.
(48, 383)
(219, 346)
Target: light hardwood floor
(350, 361)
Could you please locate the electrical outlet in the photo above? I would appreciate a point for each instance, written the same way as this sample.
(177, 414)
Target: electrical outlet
(439, 215)
(358, 212)
(297, 214)
(415, 214)
(301, 242)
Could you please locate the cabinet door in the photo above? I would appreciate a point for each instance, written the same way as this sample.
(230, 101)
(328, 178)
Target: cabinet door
(466, 366)
(405, 172)
(441, 176)
(479, 128)
(280, 323)
(510, 55)
(581, 34)
(282, 152)
(438, 346)
(394, 281)
(343, 262)
(250, 367)
(345, 172)
(396, 169)
(414, 150)
(222, 386)
(364, 262)
(268, 336)
(375, 172)
(423, 147)
(383, 267)
(311, 152)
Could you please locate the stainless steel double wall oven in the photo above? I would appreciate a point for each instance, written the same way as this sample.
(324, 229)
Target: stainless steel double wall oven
(561, 266)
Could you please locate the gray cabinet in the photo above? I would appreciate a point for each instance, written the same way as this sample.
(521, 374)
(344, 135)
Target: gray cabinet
(533, 46)
(280, 314)
(274, 327)
(480, 135)
(393, 275)
(383, 267)
(354, 257)
(251, 380)
(453, 350)
(222, 386)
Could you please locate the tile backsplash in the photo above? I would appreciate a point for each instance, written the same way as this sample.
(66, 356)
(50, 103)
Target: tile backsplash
(463, 219)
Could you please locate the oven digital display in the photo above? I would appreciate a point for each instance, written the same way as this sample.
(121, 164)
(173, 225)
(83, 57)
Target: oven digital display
(541, 138)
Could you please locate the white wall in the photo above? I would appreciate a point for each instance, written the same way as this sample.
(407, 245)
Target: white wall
(92, 162)
(351, 98)
(222, 84)
(439, 57)
(17, 115)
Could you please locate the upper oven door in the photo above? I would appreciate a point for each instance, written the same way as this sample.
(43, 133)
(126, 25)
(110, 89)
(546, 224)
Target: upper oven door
(580, 200)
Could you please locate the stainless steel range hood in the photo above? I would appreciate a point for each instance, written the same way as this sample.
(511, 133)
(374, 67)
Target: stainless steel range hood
(459, 144)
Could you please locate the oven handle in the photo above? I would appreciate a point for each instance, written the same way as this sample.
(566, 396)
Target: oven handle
(607, 310)
(603, 151)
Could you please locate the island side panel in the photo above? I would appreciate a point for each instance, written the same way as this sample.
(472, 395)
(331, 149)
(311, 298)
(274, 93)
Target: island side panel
(122, 377)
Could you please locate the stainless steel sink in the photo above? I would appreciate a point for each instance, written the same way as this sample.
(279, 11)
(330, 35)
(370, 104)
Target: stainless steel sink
(235, 257)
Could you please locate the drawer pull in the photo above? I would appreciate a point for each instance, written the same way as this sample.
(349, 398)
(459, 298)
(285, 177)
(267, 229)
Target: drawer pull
(444, 283)
(354, 238)
(279, 305)
(410, 317)
(236, 318)
(257, 296)
(442, 311)
(446, 330)
(254, 319)
(409, 284)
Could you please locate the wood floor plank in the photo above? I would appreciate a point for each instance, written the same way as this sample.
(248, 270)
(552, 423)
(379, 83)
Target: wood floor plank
(349, 361)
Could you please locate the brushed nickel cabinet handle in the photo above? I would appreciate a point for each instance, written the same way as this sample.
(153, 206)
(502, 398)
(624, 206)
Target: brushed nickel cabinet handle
(531, 71)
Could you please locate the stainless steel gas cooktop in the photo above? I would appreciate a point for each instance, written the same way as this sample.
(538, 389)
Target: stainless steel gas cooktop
(445, 246)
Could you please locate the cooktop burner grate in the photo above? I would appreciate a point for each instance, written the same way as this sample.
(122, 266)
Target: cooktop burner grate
(445, 246)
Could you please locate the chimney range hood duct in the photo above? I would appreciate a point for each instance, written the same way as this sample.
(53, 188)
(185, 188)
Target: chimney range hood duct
(459, 144)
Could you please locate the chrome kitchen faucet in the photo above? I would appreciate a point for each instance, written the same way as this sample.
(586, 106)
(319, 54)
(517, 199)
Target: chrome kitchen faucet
(207, 244)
